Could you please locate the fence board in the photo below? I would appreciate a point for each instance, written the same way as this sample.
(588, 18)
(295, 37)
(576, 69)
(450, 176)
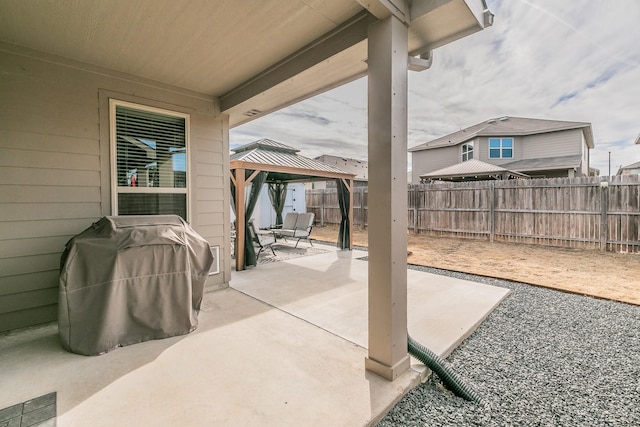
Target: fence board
(570, 212)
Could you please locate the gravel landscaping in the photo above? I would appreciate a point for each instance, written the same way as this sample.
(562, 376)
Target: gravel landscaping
(542, 358)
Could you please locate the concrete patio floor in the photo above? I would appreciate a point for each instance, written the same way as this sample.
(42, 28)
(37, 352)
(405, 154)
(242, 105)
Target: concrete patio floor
(284, 346)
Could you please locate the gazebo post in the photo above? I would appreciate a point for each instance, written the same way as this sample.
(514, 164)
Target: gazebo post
(240, 219)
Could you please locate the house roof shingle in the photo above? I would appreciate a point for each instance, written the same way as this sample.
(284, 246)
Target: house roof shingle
(506, 126)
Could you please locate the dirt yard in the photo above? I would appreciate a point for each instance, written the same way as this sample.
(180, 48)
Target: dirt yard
(601, 274)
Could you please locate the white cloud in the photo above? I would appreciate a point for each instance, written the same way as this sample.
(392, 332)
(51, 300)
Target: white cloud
(573, 60)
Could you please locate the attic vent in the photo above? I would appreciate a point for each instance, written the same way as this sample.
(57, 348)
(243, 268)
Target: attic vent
(503, 119)
(491, 121)
(252, 113)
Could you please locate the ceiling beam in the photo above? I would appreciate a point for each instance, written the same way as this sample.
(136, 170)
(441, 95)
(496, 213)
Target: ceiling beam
(342, 37)
(382, 9)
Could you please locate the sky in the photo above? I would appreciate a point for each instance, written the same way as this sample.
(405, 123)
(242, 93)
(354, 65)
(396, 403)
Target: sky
(572, 60)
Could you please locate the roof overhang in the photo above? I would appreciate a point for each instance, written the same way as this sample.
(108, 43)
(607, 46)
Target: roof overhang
(254, 57)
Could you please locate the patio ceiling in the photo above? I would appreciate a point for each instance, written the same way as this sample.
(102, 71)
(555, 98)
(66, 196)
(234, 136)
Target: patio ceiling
(255, 56)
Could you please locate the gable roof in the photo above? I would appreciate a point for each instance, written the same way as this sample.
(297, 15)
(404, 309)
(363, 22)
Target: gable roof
(507, 126)
(631, 166)
(470, 168)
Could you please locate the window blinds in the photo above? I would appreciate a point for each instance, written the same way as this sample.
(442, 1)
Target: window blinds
(151, 149)
(151, 162)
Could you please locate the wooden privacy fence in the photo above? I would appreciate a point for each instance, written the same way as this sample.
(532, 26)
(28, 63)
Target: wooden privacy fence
(590, 213)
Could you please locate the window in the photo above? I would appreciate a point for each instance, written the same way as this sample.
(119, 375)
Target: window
(467, 151)
(149, 160)
(500, 148)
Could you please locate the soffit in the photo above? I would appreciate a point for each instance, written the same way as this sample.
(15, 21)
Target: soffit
(202, 45)
(215, 47)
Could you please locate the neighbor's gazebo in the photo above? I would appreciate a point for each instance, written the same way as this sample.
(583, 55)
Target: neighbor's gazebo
(472, 170)
(276, 164)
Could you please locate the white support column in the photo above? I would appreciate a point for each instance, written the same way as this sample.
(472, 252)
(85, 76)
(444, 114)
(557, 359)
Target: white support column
(387, 100)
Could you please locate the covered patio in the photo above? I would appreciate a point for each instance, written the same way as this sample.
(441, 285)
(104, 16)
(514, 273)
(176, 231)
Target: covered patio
(269, 351)
(72, 68)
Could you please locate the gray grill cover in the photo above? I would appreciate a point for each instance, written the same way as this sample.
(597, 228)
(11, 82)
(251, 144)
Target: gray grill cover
(128, 279)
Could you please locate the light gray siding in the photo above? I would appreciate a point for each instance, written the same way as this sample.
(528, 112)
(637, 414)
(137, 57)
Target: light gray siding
(584, 166)
(426, 161)
(55, 171)
(553, 144)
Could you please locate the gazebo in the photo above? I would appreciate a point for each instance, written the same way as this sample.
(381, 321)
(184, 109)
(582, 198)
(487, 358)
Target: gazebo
(276, 164)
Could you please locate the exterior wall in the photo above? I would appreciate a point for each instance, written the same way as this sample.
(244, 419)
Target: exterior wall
(553, 144)
(584, 166)
(426, 161)
(55, 171)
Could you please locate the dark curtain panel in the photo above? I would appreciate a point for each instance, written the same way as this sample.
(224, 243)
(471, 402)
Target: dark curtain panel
(277, 195)
(256, 186)
(233, 196)
(343, 199)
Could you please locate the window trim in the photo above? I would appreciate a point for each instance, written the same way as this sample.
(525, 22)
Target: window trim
(463, 153)
(113, 152)
(513, 146)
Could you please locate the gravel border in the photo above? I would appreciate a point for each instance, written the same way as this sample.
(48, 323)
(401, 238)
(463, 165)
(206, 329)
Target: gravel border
(542, 358)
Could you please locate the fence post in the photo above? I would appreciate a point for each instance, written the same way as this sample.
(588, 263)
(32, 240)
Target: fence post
(604, 223)
(415, 209)
(322, 208)
(492, 211)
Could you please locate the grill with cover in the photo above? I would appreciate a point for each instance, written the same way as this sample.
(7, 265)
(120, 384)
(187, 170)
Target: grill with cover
(128, 279)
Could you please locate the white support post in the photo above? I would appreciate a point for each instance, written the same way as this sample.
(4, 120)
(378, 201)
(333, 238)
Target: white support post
(387, 100)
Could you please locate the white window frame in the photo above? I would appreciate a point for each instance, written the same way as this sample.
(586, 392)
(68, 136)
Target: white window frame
(473, 149)
(115, 189)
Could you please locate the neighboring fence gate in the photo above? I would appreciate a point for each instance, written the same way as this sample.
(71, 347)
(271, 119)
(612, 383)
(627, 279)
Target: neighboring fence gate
(589, 213)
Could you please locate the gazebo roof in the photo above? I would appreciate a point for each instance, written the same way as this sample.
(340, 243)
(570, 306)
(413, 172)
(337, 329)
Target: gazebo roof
(470, 169)
(282, 162)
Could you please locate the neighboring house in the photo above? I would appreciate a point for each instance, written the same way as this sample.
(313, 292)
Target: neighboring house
(358, 167)
(632, 169)
(521, 146)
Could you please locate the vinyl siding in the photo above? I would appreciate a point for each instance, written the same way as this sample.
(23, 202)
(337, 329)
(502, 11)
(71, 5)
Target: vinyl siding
(553, 144)
(55, 171)
(426, 161)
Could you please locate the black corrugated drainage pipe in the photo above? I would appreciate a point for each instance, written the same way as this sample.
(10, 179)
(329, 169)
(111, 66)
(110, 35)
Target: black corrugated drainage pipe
(443, 370)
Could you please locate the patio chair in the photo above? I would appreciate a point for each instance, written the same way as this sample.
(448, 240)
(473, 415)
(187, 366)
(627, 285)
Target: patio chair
(289, 223)
(302, 228)
(261, 239)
